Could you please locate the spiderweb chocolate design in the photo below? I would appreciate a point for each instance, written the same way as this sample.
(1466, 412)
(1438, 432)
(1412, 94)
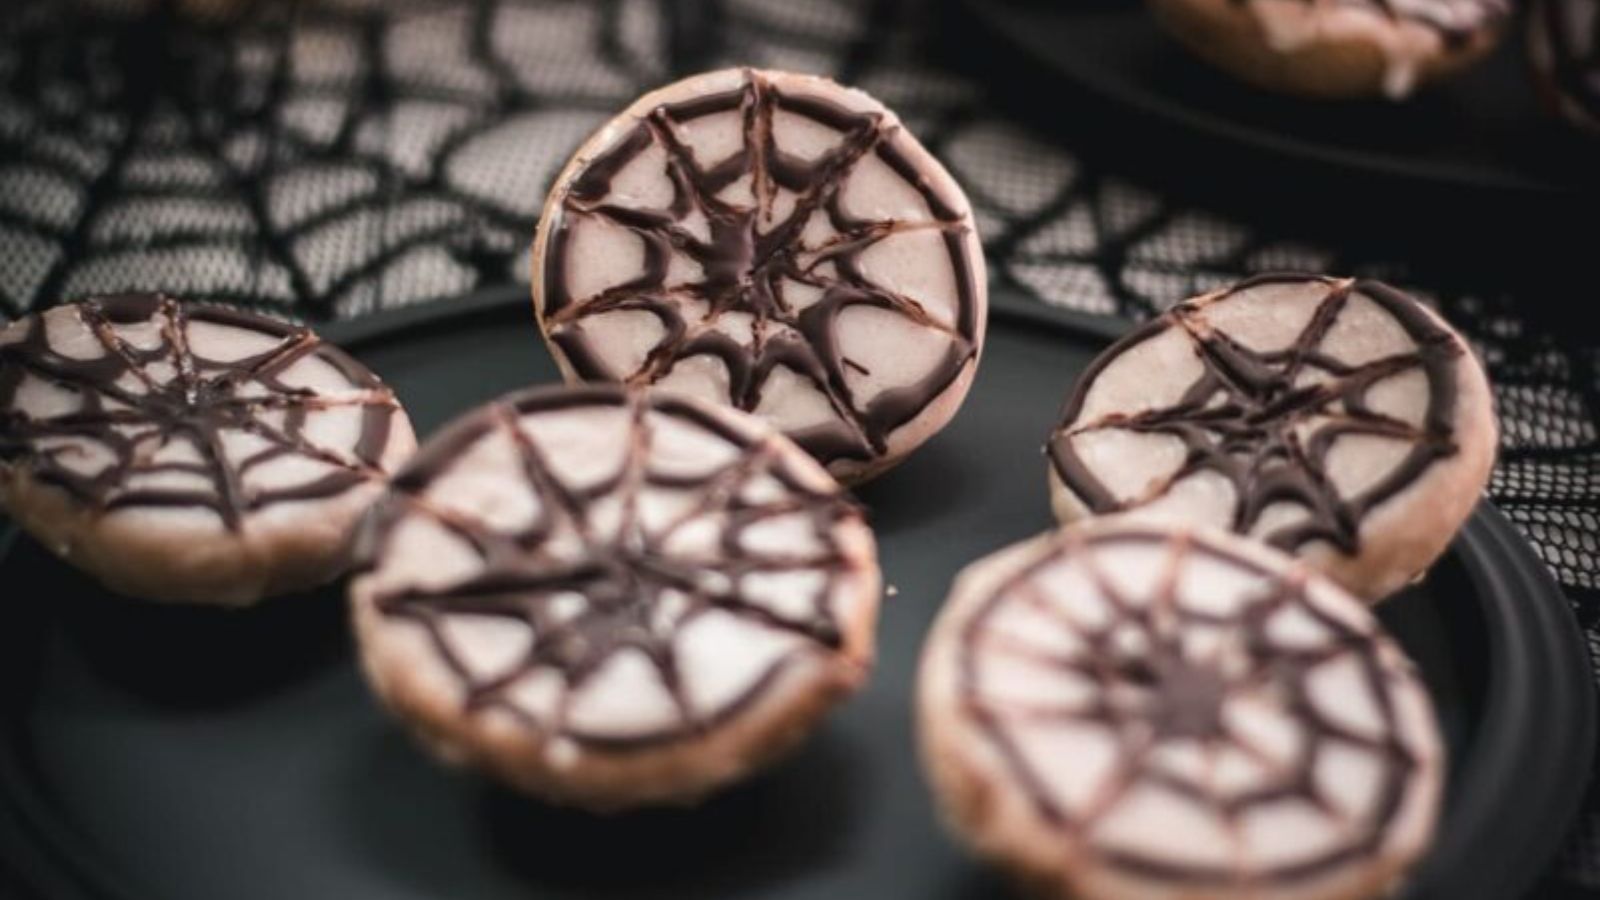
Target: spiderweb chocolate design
(684, 573)
(1267, 421)
(787, 253)
(1185, 714)
(156, 403)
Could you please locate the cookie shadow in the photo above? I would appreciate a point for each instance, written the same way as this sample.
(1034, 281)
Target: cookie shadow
(458, 834)
(934, 481)
(979, 882)
(183, 657)
(785, 822)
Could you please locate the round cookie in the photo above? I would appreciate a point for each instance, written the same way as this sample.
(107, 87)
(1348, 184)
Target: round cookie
(1120, 711)
(1339, 420)
(775, 242)
(190, 453)
(1564, 50)
(610, 597)
(1353, 48)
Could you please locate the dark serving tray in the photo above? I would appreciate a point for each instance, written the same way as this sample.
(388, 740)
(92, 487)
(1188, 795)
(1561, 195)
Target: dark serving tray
(1472, 169)
(1483, 129)
(156, 752)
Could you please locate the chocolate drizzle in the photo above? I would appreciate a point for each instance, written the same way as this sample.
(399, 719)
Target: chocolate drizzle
(1244, 418)
(750, 253)
(133, 401)
(1160, 692)
(626, 574)
(1574, 53)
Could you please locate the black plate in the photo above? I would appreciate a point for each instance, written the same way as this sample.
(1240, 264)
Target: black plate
(1484, 130)
(154, 752)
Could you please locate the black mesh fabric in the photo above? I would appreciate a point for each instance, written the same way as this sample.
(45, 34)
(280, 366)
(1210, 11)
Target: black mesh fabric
(328, 158)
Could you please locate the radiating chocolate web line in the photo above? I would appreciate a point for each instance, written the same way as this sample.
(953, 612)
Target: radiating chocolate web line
(626, 577)
(1179, 698)
(203, 399)
(1242, 418)
(750, 252)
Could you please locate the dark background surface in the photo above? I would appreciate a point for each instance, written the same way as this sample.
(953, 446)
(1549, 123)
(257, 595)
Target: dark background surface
(324, 160)
(189, 754)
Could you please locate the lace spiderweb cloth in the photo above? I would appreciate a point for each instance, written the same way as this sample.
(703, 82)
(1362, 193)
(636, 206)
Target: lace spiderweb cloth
(323, 159)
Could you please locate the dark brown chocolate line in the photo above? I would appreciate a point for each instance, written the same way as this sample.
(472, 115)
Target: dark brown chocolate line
(199, 404)
(744, 264)
(1250, 437)
(623, 580)
(1186, 705)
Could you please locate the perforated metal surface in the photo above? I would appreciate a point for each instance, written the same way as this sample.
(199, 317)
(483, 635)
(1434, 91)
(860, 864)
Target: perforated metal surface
(327, 158)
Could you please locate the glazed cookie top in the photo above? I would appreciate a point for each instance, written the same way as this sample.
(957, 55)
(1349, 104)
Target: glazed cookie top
(1191, 709)
(617, 569)
(1286, 407)
(142, 403)
(776, 241)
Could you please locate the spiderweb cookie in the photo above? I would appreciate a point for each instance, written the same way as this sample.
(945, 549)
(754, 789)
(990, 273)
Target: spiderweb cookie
(1119, 711)
(775, 242)
(1338, 420)
(611, 597)
(190, 453)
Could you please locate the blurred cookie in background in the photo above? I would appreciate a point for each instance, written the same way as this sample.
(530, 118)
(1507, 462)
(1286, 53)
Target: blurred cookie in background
(1116, 712)
(190, 453)
(1348, 49)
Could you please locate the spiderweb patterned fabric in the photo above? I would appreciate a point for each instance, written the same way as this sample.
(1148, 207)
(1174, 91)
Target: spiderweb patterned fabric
(324, 159)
